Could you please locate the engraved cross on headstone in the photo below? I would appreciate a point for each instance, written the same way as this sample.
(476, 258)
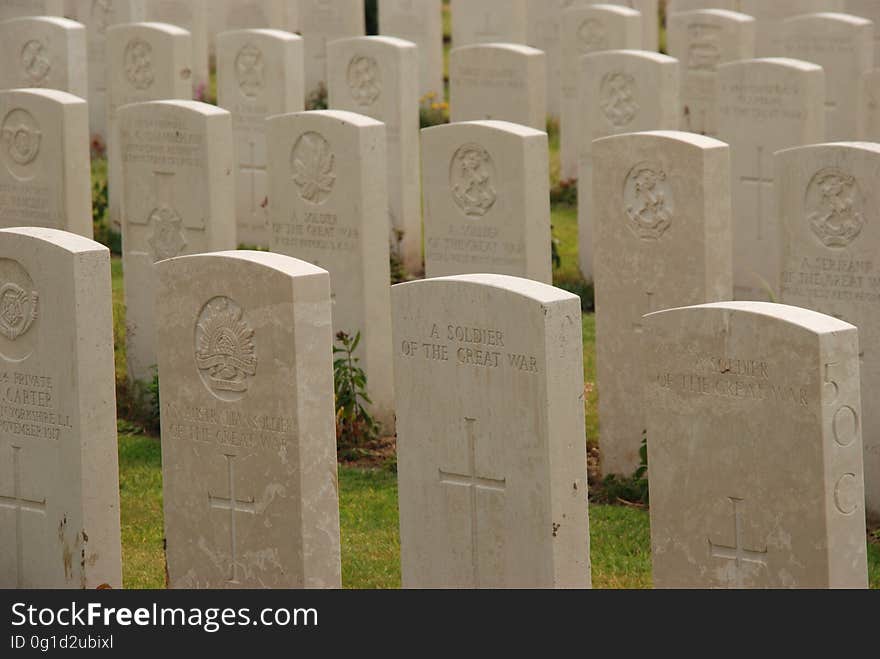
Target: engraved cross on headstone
(488, 31)
(250, 168)
(738, 553)
(163, 189)
(475, 483)
(760, 182)
(232, 505)
(20, 505)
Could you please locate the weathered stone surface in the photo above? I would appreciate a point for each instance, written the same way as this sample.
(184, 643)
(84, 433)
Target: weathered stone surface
(16, 8)
(486, 200)
(498, 81)
(329, 206)
(869, 9)
(45, 179)
(59, 478)
(754, 448)
(248, 435)
(662, 238)
(488, 21)
(491, 452)
(770, 15)
(192, 16)
(323, 21)
(419, 21)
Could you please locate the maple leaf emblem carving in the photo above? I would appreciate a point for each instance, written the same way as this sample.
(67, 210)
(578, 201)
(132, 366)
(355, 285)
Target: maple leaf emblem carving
(314, 168)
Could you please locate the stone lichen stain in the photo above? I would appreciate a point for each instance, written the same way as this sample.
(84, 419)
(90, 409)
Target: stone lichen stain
(66, 552)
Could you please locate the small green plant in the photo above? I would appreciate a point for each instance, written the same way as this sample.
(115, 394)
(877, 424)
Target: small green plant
(103, 232)
(317, 98)
(564, 193)
(354, 424)
(554, 250)
(432, 111)
(398, 273)
(632, 490)
(138, 403)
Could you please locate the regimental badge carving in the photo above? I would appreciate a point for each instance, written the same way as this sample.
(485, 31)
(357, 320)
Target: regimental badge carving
(314, 167)
(647, 197)
(168, 239)
(704, 52)
(249, 70)
(364, 80)
(225, 352)
(471, 180)
(21, 137)
(617, 98)
(592, 36)
(138, 59)
(35, 62)
(18, 310)
(101, 15)
(835, 207)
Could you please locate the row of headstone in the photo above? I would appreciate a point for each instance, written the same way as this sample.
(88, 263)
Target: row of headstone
(752, 411)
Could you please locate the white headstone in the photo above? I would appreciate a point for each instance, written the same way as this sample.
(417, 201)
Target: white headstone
(229, 15)
(145, 62)
(329, 206)
(869, 127)
(259, 74)
(498, 81)
(869, 9)
(379, 77)
(419, 21)
(59, 477)
(843, 46)
(621, 91)
(192, 16)
(488, 21)
(323, 21)
(588, 30)
(248, 434)
(44, 51)
(701, 40)
(662, 238)
(770, 14)
(828, 202)
(491, 452)
(764, 105)
(650, 11)
(486, 200)
(179, 198)
(44, 148)
(16, 8)
(676, 6)
(754, 449)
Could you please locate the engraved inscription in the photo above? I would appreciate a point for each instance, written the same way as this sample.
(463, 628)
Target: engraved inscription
(592, 36)
(249, 70)
(21, 142)
(704, 51)
(101, 15)
(847, 494)
(617, 98)
(18, 310)
(314, 167)
(835, 206)
(233, 505)
(743, 559)
(138, 62)
(828, 278)
(471, 180)
(225, 352)
(167, 239)
(647, 198)
(35, 62)
(29, 406)
(845, 426)
(20, 504)
(227, 427)
(364, 80)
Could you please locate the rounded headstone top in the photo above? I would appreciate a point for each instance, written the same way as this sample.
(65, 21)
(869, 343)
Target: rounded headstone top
(56, 95)
(259, 32)
(60, 21)
(527, 288)
(375, 41)
(70, 242)
(830, 16)
(695, 139)
(862, 146)
(205, 109)
(343, 116)
(660, 58)
(603, 9)
(285, 264)
(727, 14)
(167, 28)
(498, 45)
(786, 62)
(813, 321)
(496, 125)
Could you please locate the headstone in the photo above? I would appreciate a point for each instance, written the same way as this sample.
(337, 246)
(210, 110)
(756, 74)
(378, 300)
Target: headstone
(97, 17)
(145, 62)
(259, 74)
(491, 452)
(323, 21)
(16, 8)
(248, 435)
(379, 77)
(869, 9)
(754, 448)
(229, 15)
(662, 238)
(677, 6)
(828, 201)
(869, 127)
(192, 16)
(44, 51)
(620, 92)
(59, 477)
(650, 11)
(701, 40)
(179, 198)
(764, 105)
(329, 206)
(498, 81)
(419, 21)
(588, 30)
(488, 21)
(770, 15)
(843, 45)
(44, 147)
(486, 200)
